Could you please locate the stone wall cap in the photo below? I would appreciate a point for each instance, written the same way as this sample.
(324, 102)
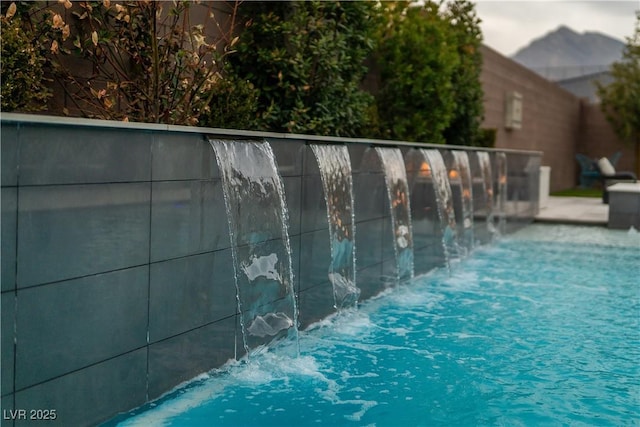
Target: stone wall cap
(625, 187)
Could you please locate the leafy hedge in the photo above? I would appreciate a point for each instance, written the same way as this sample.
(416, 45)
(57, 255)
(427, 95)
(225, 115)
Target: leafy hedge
(290, 66)
(417, 59)
(430, 65)
(22, 61)
(306, 60)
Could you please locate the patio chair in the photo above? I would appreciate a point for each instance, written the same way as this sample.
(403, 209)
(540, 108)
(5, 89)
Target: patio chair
(609, 176)
(614, 158)
(589, 173)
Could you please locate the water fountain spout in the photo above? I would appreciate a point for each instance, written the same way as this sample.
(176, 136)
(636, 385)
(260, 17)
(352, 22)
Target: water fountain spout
(398, 194)
(462, 166)
(258, 228)
(335, 171)
(444, 201)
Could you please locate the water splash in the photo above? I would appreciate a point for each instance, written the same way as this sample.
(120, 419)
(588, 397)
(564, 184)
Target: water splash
(462, 166)
(501, 197)
(258, 229)
(487, 186)
(445, 202)
(335, 171)
(398, 193)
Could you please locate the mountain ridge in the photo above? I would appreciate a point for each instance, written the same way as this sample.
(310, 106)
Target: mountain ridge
(564, 53)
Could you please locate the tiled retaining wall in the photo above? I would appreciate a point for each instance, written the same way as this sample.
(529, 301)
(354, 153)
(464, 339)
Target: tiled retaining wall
(117, 277)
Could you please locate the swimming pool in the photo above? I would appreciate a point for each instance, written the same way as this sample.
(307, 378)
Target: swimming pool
(542, 328)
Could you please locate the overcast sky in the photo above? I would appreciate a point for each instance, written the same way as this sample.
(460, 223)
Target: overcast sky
(508, 25)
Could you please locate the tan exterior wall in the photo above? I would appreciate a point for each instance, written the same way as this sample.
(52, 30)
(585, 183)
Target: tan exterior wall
(554, 121)
(597, 138)
(550, 116)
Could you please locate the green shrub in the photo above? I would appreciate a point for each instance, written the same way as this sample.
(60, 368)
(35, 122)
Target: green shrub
(305, 59)
(417, 57)
(485, 138)
(24, 87)
(149, 62)
(233, 105)
(467, 113)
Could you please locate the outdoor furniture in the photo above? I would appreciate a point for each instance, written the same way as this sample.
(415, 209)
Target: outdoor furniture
(609, 176)
(589, 171)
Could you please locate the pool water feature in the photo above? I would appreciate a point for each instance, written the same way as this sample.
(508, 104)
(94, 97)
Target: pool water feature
(541, 328)
(487, 190)
(465, 220)
(398, 196)
(258, 228)
(501, 188)
(444, 198)
(335, 171)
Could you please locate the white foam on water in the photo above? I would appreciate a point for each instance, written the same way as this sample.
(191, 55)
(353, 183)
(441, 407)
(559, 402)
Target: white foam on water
(577, 235)
(265, 367)
(269, 324)
(465, 336)
(261, 266)
(365, 405)
(460, 281)
(347, 322)
(410, 297)
(162, 414)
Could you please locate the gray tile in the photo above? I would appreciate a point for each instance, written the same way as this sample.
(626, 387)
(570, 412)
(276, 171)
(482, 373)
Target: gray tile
(424, 204)
(481, 233)
(310, 162)
(9, 154)
(447, 157)
(456, 195)
(388, 240)
(624, 202)
(288, 154)
(9, 204)
(370, 281)
(356, 154)
(70, 325)
(623, 221)
(314, 207)
(431, 258)
(77, 230)
(369, 242)
(427, 258)
(76, 155)
(370, 196)
(6, 405)
(186, 293)
(294, 241)
(315, 304)
(389, 274)
(187, 217)
(178, 156)
(293, 194)
(92, 395)
(183, 357)
(7, 335)
(315, 258)
(425, 229)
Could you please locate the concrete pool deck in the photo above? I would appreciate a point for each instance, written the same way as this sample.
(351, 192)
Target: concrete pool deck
(574, 210)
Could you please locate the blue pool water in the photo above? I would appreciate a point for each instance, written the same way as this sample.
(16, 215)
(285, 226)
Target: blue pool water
(542, 328)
